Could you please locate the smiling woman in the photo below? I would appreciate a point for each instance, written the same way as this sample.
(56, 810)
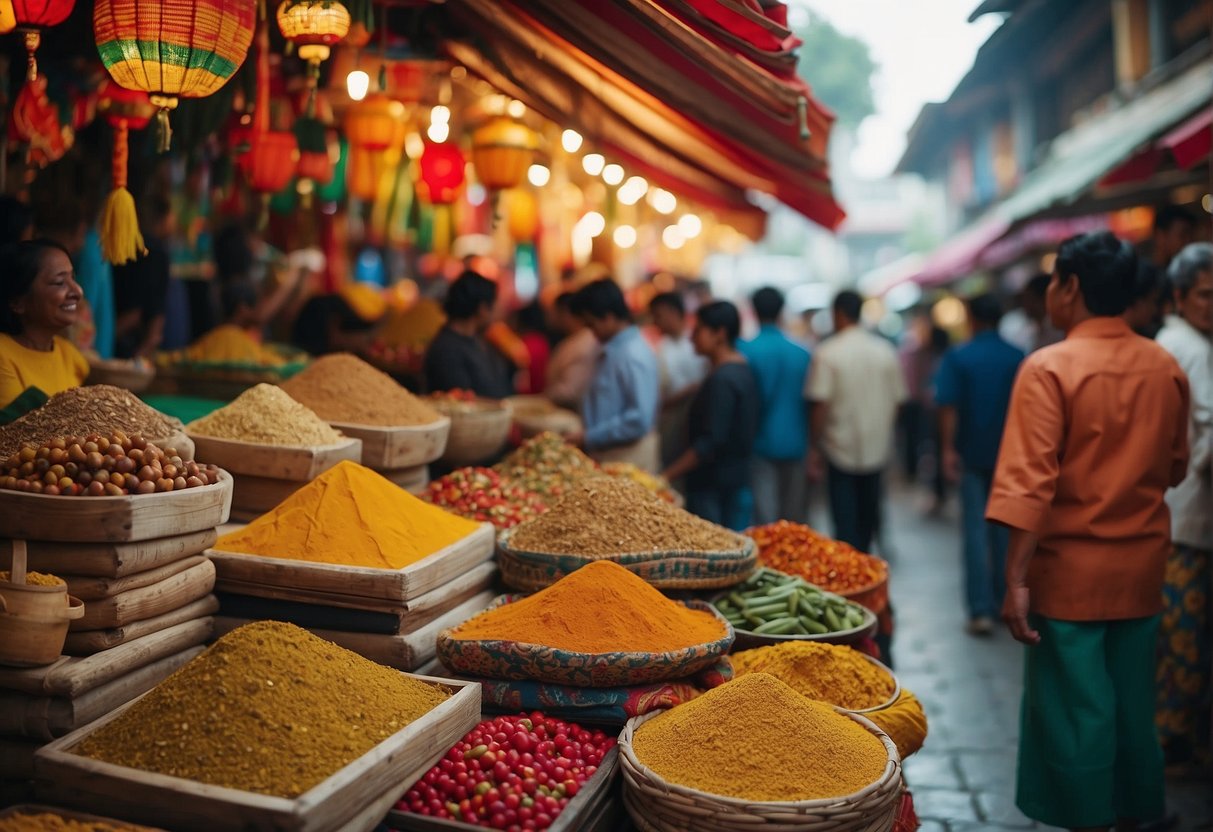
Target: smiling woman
(39, 298)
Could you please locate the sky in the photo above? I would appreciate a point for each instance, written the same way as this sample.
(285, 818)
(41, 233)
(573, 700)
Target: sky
(923, 48)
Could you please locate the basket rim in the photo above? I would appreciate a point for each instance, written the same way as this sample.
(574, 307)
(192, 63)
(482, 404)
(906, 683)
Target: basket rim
(888, 703)
(891, 771)
(749, 551)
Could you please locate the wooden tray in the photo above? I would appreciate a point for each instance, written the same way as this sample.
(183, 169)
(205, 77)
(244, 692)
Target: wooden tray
(110, 560)
(395, 585)
(595, 808)
(386, 449)
(254, 496)
(354, 799)
(35, 809)
(149, 601)
(115, 519)
(413, 480)
(47, 717)
(71, 677)
(295, 463)
(407, 651)
(94, 641)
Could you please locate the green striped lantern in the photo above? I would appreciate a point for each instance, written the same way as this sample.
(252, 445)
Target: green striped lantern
(173, 49)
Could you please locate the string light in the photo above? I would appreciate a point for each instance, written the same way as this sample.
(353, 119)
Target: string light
(357, 84)
(612, 174)
(663, 201)
(625, 236)
(538, 175)
(593, 163)
(633, 190)
(690, 226)
(672, 237)
(570, 140)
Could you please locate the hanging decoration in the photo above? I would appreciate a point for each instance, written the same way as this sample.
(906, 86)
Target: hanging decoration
(313, 26)
(372, 126)
(34, 119)
(315, 163)
(173, 49)
(272, 156)
(8, 18)
(502, 150)
(522, 215)
(441, 172)
(32, 16)
(121, 241)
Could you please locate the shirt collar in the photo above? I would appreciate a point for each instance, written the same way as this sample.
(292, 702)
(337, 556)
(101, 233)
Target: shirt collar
(1104, 326)
(1181, 324)
(621, 340)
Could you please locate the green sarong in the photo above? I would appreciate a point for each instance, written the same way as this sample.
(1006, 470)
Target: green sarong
(1088, 752)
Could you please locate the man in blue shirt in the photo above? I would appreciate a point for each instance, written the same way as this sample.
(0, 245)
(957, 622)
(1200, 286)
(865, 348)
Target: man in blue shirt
(973, 390)
(620, 407)
(780, 367)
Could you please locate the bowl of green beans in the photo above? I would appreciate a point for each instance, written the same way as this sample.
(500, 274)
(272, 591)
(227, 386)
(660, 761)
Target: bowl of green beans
(770, 607)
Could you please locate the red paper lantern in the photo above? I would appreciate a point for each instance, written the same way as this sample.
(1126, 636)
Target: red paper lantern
(442, 172)
(270, 162)
(33, 15)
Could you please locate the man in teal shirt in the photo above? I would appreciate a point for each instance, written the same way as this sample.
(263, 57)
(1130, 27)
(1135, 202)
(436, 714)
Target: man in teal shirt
(780, 367)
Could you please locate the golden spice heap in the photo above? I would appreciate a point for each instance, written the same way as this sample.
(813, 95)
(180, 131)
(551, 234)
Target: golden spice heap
(35, 579)
(269, 708)
(36, 821)
(827, 672)
(344, 388)
(755, 738)
(267, 415)
(80, 411)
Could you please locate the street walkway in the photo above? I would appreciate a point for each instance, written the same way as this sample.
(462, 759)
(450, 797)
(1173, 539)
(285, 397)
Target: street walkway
(964, 778)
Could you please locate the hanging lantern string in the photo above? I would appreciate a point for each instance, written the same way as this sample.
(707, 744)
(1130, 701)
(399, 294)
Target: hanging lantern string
(164, 130)
(121, 154)
(33, 39)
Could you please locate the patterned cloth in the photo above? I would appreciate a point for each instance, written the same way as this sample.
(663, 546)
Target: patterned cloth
(1185, 653)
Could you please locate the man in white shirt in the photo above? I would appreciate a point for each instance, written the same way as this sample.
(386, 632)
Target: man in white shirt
(1184, 673)
(682, 371)
(855, 386)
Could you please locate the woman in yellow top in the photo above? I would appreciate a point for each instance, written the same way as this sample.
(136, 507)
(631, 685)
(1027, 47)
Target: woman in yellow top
(39, 300)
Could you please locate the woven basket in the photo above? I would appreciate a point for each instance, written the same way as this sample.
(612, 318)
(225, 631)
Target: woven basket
(658, 806)
(874, 596)
(519, 661)
(535, 415)
(476, 435)
(531, 571)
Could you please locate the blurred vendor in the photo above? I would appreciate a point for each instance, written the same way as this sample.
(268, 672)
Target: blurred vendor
(39, 302)
(343, 321)
(459, 358)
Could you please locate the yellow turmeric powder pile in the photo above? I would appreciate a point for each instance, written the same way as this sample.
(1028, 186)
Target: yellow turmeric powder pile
(904, 721)
(230, 343)
(755, 738)
(350, 515)
(34, 579)
(828, 672)
(269, 708)
(48, 822)
(600, 608)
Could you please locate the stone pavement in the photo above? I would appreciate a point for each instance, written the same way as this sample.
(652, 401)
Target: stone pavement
(964, 778)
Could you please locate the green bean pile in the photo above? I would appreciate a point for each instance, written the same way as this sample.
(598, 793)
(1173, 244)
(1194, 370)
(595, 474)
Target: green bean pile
(772, 603)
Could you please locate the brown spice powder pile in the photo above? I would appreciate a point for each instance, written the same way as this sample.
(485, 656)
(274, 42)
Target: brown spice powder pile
(47, 822)
(601, 516)
(269, 708)
(35, 578)
(344, 388)
(266, 414)
(81, 411)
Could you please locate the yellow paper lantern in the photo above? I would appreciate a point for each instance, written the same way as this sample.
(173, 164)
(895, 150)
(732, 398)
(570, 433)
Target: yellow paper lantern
(522, 216)
(502, 150)
(8, 18)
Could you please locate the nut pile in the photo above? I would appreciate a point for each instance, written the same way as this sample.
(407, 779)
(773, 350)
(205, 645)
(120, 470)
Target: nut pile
(100, 466)
(80, 411)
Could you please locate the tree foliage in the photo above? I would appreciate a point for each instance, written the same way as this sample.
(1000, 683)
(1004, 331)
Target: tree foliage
(839, 68)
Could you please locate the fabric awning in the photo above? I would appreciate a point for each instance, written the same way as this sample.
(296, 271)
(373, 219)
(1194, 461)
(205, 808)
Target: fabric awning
(689, 91)
(1191, 142)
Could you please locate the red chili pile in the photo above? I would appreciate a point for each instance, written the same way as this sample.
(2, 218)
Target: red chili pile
(513, 772)
(484, 495)
(797, 549)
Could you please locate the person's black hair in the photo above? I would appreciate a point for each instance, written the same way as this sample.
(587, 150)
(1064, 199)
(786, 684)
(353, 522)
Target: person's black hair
(468, 295)
(1148, 280)
(1168, 216)
(848, 303)
(22, 261)
(1105, 267)
(1187, 267)
(600, 299)
(768, 304)
(531, 319)
(720, 314)
(233, 252)
(670, 300)
(565, 301)
(16, 219)
(986, 309)
(236, 293)
(1038, 285)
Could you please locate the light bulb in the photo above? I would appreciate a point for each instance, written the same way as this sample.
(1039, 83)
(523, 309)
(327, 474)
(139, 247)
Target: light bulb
(592, 223)
(439, 132)
(663, 201)
(672, 237)
(612, 174)
(570, 140)
(593, 163)
(515, 109)
(357, 84)
(625, 236)
(440, 114)
(690, 226)
(538, 175)
(633, 190)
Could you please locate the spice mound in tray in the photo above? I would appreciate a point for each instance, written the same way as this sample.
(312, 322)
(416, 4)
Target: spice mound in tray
(80, 411)
(826, 672)
(352, 516)
(344, 388)
(600, 608)
(33, 820)
(266, 415)
(755, 738)
(269, 708)
(34, 579)
(603, 516)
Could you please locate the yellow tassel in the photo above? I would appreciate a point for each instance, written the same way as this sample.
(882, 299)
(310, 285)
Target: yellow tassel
(121, 241)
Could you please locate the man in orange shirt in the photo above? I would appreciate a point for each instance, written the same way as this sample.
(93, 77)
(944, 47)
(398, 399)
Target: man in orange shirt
(1096, 433)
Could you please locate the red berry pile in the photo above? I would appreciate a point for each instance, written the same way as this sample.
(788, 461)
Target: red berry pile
(513, 772)
(484, 495)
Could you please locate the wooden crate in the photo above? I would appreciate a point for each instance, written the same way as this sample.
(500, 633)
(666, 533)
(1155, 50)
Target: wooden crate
(109, 560)
(296, 463)
(595, 808)
(35, 809)
(91, 588)
(395, 585)
(413, 480)
(393, 448)
(162, 597)
(354, 799)
(88, 642)
(26, 516)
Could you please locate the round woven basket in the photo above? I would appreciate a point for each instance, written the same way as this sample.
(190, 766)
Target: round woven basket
(476, 435)
(535, 415)
(658, 806)
(531, 571)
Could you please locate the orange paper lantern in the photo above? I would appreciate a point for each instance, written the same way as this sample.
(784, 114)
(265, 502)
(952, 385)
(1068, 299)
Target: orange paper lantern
(502, 150)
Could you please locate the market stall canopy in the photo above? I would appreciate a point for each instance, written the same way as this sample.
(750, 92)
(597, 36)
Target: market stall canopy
(700, 96)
